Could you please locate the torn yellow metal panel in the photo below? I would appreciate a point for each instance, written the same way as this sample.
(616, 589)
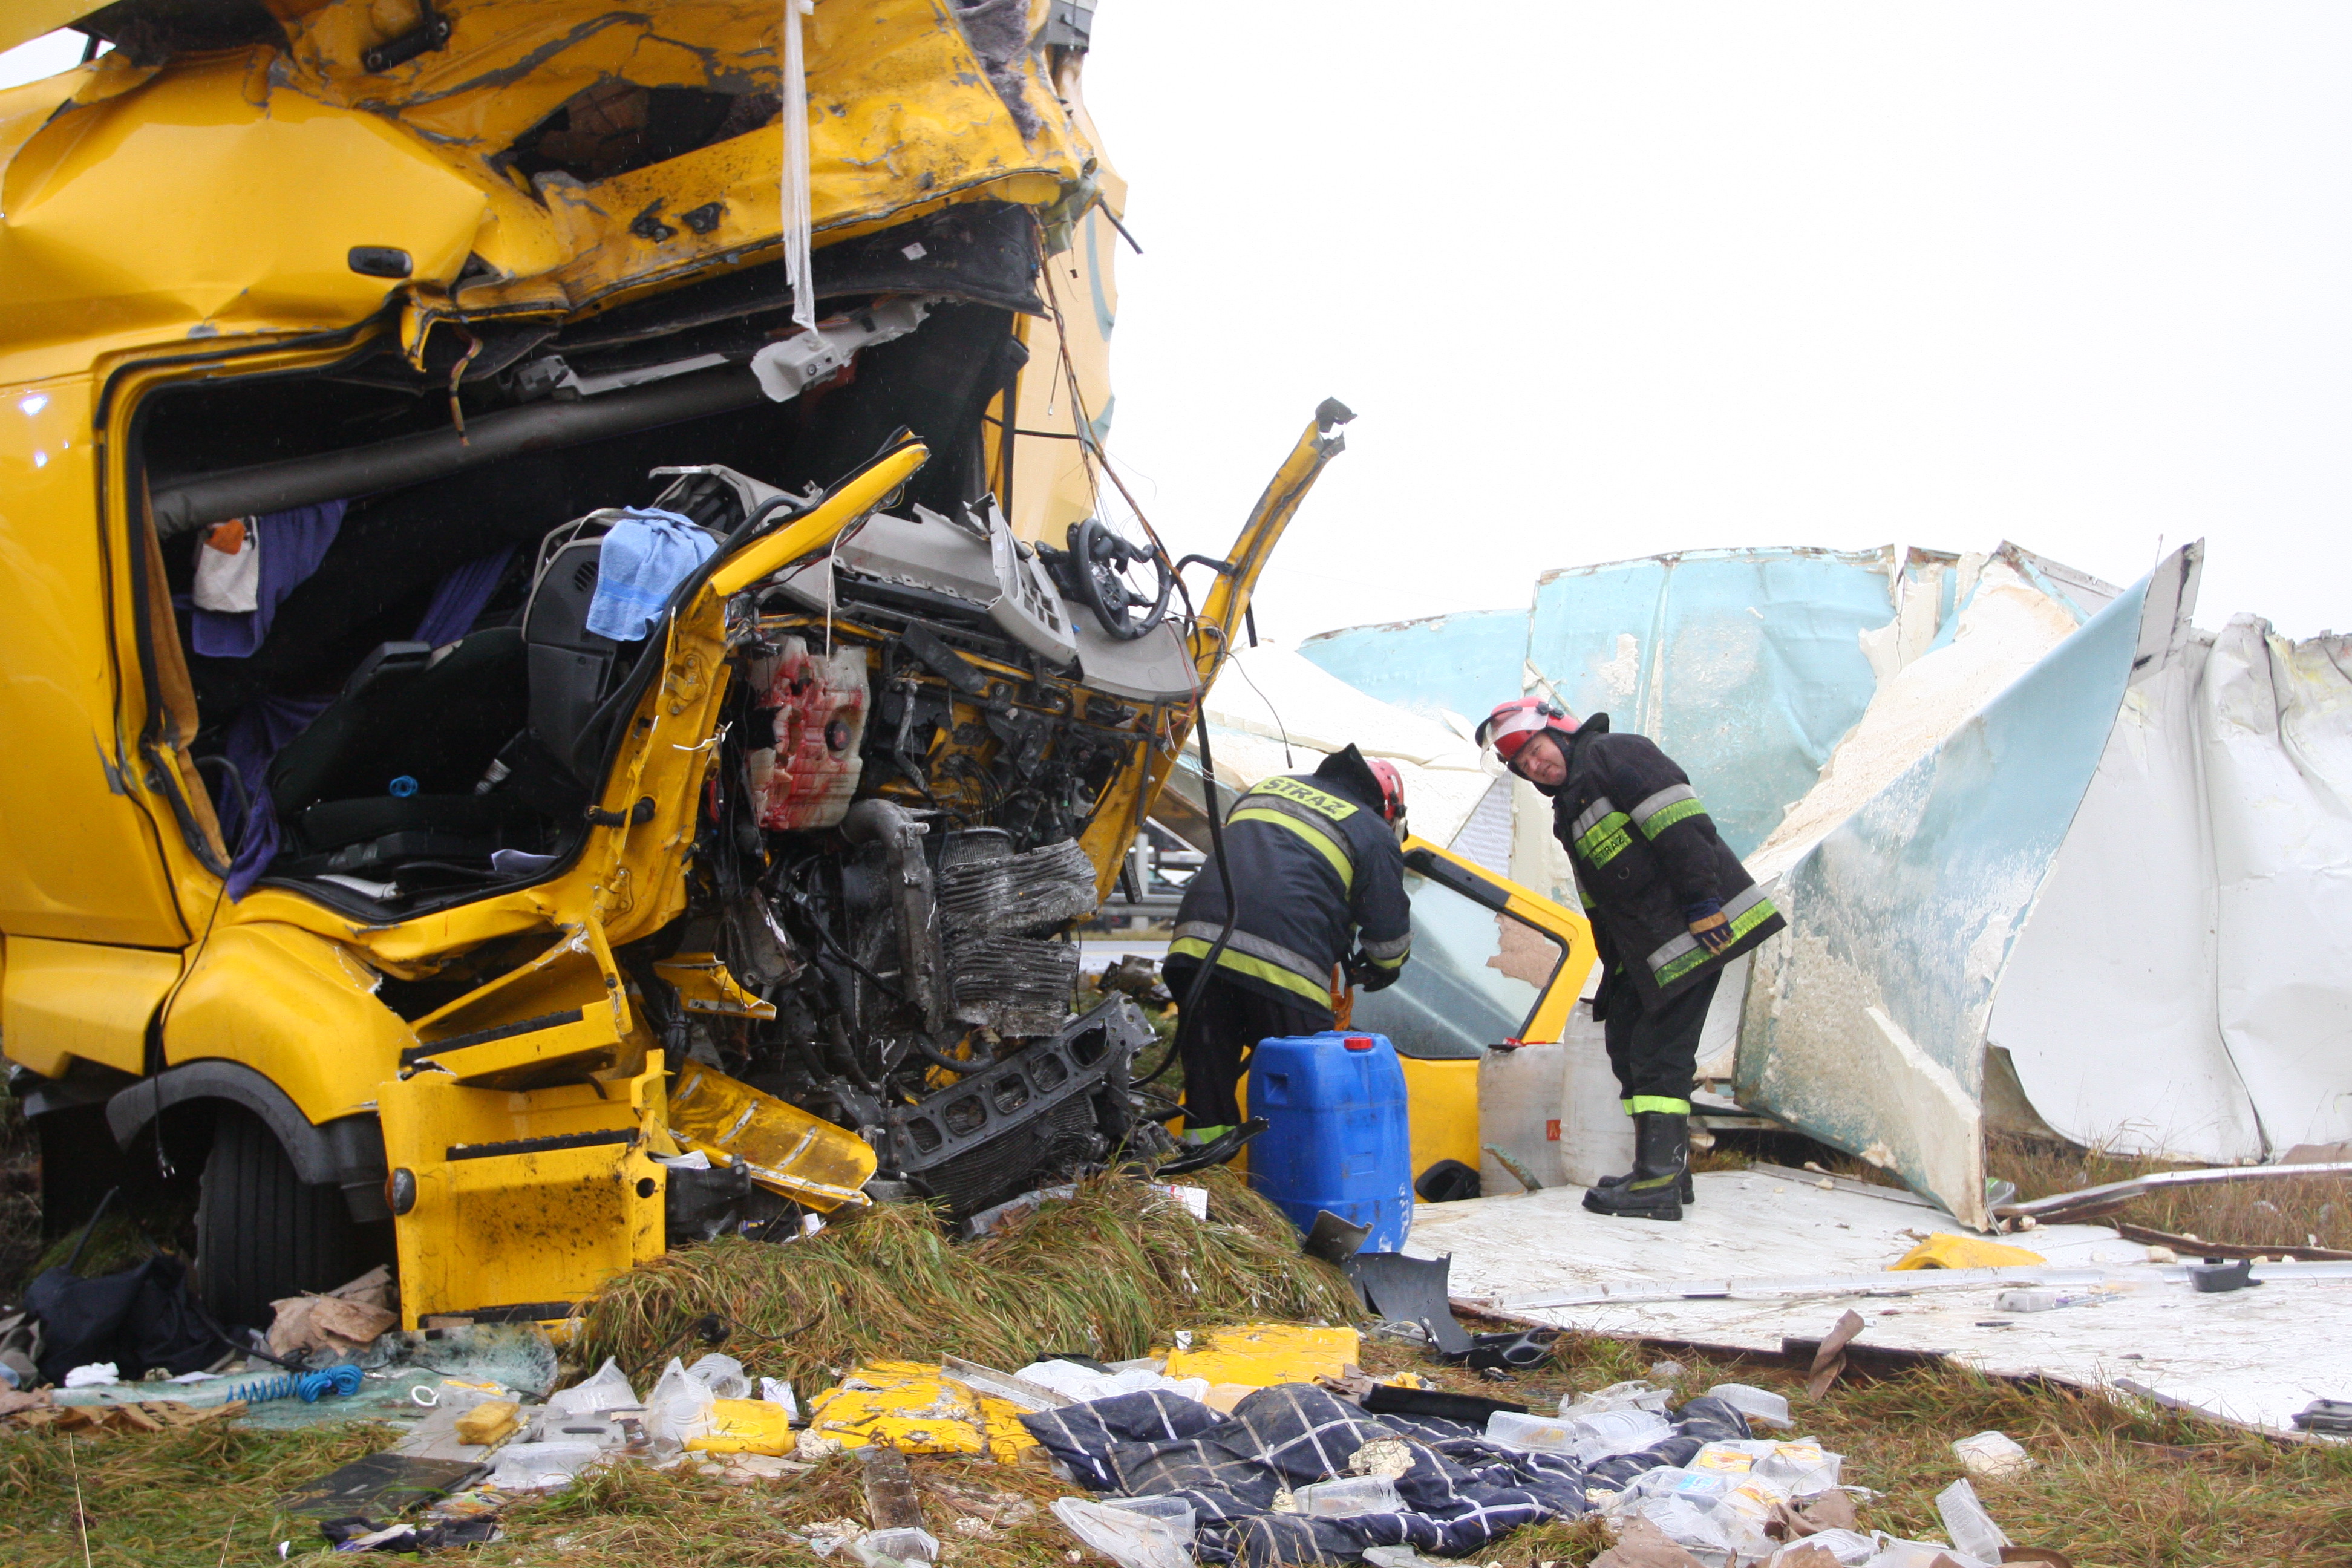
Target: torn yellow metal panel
(266, 994)
(704, 985)
(786, 1149)
(504, 1200)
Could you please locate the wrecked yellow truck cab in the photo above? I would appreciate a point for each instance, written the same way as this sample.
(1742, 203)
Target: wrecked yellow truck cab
(564, 682)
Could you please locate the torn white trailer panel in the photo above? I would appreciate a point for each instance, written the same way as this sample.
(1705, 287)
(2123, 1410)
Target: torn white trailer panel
(2215, 1022)
(1865, 1020)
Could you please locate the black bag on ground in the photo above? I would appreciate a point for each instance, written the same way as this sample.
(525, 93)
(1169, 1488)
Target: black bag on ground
(141, 1317)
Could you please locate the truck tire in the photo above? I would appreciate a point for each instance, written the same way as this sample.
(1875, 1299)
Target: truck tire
(262, 1232)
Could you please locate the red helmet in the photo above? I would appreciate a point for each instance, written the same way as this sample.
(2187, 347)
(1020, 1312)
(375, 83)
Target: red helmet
(1506, 729)
(1392, 789)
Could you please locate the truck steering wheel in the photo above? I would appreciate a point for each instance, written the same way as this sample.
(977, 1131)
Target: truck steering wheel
(1101, 559)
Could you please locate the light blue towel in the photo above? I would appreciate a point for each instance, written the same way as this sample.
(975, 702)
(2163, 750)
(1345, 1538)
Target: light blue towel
(647, 555)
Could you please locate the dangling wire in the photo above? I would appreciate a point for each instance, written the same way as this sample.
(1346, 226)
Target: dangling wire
(798, 213)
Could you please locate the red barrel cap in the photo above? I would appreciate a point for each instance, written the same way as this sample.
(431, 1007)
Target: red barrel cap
(1359, 1042)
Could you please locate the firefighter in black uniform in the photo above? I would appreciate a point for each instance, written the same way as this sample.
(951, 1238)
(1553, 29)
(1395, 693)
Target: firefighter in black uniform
(1669, 903)
(1318, 878)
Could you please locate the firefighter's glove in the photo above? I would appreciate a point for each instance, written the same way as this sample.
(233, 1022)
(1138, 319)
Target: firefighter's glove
(1707, 924)
(1366, 975)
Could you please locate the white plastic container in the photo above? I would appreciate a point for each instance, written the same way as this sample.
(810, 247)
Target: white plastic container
(678, 1410)
(1350, 1496)
(722, 1375)
(1545, 1435)
(1596, 1135)
(1969, 1526)
(1520, 1113)
(903, 1544)
(1634, 1396)
(1129, 1539)
(1172, 1511)
(1803, 1469)
(1630, 1431)
(1992, 1455)
(541, 1467)
(1756, 1404)
(608, 1390)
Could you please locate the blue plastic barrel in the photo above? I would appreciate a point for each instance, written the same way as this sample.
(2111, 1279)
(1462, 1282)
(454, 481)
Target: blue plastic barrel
(1339, 1138)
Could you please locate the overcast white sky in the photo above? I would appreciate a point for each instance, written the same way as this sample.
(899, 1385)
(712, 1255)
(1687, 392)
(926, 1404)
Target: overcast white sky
(1602, 281)
(1607, 279)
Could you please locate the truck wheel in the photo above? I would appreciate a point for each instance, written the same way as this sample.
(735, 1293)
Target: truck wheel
(262, 1232)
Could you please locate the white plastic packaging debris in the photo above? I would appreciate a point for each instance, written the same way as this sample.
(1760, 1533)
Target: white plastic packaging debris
(1966, 1522)
(1084, 1385)
(541, 1467)
(1992, 1455)
(1401, 1557)
(1129, 1539)
(1634, 1396)
(905, 1544)
(1174, 1512)
(1756, 1404)
(1695, 1526)
(1514, 1430)
(776, 1393)
(1803, 1468)
(1348, 1495)
(1608, 1432)
(678, 1410)
(608, 1390)
(91, 1376)
(1851, 1548)
(1894, 1554)
(722, 1375)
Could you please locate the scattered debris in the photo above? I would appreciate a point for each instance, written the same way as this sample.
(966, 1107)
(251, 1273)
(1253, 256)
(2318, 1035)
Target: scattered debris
(139, 1416)
(1992, 1455)
(340, 1323)
(1829, 1361)
(2095, 1202)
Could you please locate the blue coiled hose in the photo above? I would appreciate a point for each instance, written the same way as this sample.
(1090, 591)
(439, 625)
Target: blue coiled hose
(307, 1386)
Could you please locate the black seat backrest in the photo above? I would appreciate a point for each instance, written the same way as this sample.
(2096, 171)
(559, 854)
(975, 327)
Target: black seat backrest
(408, 714)
(570, 665)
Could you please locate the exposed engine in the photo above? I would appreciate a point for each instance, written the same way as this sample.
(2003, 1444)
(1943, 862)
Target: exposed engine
(890, 862)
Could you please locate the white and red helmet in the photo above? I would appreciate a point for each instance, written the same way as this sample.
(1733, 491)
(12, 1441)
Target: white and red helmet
(1392, 789)
(1506, 729)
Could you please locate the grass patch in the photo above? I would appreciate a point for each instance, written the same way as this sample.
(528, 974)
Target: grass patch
(1104, 1275)
(2276, 1211)
(169, 1499)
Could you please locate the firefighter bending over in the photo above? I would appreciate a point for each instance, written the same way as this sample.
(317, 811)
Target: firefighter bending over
(1318, 878)
(1669, 903)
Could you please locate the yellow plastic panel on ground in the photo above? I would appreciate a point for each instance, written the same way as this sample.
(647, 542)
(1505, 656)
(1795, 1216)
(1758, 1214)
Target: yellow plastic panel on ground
(801, 1156)
(1260, 1355)
(903, 1405)
(1945, 1250)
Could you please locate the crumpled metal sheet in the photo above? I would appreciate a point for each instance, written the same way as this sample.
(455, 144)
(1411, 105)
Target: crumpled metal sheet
(1866, 1019)
(221, 194)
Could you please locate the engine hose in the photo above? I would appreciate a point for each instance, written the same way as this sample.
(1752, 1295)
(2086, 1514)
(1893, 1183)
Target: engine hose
(342, 1378)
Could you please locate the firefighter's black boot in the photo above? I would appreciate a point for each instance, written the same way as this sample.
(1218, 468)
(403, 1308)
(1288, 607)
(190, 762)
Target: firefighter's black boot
(1690, 1193)
(1661, 1165)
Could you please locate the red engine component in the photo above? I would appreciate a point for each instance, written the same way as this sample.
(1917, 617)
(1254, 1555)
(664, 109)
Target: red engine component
(809, 776)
